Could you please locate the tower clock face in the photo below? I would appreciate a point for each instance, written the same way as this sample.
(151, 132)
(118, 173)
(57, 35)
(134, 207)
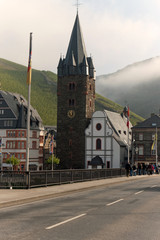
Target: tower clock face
(71, 113)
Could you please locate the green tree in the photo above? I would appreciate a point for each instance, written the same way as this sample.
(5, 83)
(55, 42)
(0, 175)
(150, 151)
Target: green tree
(55, 160)
(13, 160)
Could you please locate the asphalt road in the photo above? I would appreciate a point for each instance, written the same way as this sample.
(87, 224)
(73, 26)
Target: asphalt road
(122, 211)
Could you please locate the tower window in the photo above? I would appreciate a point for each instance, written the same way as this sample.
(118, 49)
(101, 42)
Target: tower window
(98, 144)
(72, 86)
(70, 142)
(90, 103)
(98, 126)
(71, 102)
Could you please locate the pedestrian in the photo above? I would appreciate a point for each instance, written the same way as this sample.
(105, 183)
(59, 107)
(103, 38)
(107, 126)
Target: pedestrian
(131, 170)
(127, 167)
(134, 170)
(144, 168)
(139, 168)
(149, 170)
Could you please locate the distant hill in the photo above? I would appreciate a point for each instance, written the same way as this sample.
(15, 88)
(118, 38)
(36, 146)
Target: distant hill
(137, 85)
(43, 91)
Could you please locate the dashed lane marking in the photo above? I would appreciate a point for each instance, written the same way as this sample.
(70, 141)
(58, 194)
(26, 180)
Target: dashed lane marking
(109, 204)
(139, 192)
(66, 221)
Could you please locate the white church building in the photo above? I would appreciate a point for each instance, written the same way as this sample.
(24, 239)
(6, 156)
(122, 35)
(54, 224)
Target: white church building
(106, 140)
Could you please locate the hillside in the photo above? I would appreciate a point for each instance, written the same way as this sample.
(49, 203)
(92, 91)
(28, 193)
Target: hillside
(137, 85)
(43, 91)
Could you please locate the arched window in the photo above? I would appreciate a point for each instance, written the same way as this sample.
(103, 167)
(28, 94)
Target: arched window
(98, 144)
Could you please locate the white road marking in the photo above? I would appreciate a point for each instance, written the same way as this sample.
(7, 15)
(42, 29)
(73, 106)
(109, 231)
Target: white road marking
(66, 221)
(154, 186)
(139, 192)
(109, 204)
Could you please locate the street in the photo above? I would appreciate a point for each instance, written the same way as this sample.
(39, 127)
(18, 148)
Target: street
(129, 210)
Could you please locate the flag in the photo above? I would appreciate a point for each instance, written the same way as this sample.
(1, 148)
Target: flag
(29, 72)
(128, 117)
(154, 142)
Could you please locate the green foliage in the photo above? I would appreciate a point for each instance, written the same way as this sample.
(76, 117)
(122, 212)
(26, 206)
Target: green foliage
(55, 160)
(13, 160)
(104, 103)
(44, 91)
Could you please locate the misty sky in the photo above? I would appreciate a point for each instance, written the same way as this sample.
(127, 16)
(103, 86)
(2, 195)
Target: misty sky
(116, 32)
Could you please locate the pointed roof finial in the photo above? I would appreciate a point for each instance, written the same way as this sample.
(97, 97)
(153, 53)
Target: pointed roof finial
(77, 5)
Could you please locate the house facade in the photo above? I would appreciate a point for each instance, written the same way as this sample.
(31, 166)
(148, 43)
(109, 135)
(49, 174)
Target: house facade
(13, 132)
(107, 140)
(146, 146)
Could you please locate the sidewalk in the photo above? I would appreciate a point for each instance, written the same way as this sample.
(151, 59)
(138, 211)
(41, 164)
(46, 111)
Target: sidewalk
(11, 197)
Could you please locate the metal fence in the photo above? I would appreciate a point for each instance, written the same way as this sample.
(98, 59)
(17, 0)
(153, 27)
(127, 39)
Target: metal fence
(17, 179)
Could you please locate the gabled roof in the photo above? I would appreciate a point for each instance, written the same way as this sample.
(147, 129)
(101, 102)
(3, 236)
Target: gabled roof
(151, 122)
(119, 126)
(18, 105)
(76, 46)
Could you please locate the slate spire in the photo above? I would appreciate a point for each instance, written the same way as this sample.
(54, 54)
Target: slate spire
(76, 45)
(76, 61)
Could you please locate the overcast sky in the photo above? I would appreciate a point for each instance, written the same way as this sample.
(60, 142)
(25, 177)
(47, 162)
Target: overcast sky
(116, 32)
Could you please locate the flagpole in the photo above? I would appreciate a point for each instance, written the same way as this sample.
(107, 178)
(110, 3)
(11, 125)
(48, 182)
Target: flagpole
(128, 144)
(28, 112)
(156, 147)
(128, 129)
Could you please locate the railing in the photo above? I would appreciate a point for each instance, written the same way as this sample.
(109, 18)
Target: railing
(17, 179)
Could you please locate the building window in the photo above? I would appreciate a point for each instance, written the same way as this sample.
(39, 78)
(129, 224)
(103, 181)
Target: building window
(124, 132)
(140, 136)
(34, 145)
(22, 155)
(72, 86)
(1, 111)
(19, 133)
(34, 134)
(108, 164)
(90, 103)
(141, 150)
(19, 145)
(98, 144)
(19, 156)
(98, 126)
(22, 144)
(22, 133)
(71, 102)
(8, 123)
(119, 131)
(153, 152)
(90, 87)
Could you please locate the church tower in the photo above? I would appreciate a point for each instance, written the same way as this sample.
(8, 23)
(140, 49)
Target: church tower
(75, 101)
